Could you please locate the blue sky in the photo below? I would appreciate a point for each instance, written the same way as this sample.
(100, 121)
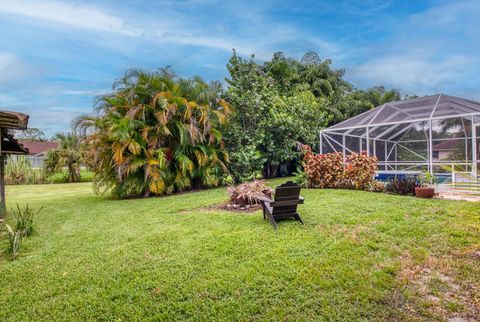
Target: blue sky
(56, 56)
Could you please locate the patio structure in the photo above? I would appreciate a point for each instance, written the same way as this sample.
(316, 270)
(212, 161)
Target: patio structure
(8, 145)
(439, 134)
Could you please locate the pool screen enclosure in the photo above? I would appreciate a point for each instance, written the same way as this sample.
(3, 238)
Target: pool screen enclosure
(439, 134)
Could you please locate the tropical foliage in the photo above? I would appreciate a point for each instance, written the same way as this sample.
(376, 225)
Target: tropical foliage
(68, 155)
(24, 219)
(157, 134)
(18, 170)
(23, 227)
(404, 185)
(282, 102)
(14, 241)
(332, 170)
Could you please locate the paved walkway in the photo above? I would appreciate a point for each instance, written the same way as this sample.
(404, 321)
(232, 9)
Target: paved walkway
(459, 196)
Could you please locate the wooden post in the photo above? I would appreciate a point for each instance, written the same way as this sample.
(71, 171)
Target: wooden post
(3, 205)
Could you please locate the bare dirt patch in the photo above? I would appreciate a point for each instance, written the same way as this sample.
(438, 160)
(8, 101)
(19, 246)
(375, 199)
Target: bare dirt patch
(226, 206)
(353, 233)
(437, 289)
(236, 208)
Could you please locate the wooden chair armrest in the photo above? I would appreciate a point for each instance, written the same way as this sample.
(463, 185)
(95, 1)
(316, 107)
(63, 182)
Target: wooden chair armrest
(265, 199)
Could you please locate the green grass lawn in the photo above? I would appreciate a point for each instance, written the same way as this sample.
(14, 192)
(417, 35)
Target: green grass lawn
(85, 176)
(360, 256)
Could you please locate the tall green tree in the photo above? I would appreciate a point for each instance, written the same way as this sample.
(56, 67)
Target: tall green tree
(285, 101)
(31, 134)
(156, 134)
(273, 111)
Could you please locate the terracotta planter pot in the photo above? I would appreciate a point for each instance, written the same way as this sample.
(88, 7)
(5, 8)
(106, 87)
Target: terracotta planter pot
(424, 192)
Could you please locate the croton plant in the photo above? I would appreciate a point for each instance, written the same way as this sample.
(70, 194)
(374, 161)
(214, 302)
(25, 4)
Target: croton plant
(330, 170)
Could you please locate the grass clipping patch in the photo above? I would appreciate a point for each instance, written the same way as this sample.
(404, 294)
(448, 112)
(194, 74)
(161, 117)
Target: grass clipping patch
(440, 288)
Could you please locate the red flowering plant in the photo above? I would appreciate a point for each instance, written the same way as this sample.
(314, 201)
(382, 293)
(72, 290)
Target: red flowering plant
(323, 170)
(330, 171)
(360, 169)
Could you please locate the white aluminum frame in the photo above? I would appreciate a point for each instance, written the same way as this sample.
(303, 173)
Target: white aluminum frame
(395, 134)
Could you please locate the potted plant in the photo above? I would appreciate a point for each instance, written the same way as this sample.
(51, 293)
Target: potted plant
(425, 187)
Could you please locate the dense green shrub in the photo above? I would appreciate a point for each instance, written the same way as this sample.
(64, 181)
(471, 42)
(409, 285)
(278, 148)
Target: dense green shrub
(157, 134)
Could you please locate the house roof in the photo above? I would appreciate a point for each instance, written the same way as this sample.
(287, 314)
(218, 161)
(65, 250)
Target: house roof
(35, 147)
(446, 145)
(413, 110)
(13, 120)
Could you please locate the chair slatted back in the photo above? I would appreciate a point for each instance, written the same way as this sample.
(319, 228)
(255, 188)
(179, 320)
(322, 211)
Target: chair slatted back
(286, 198)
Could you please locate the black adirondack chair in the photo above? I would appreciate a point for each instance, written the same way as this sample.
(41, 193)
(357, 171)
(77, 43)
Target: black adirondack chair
(287, 198)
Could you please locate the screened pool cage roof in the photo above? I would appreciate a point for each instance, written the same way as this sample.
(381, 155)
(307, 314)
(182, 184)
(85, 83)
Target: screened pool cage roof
(426, 108)
(392, 120)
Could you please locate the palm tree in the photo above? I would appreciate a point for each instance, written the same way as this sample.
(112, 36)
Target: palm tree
(68, 155)
(157, 134)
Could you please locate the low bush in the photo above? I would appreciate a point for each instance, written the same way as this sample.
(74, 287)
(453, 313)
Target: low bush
(301, 178)
(18, 170)
(402, 185)
(376, 186)
(24, 219)
(360, 170)
(330, 171)
(23, 227)
(323, 170)
(248, 193)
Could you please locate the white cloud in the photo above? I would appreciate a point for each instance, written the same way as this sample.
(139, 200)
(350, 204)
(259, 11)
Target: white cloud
(51, 120)
(12, 69)
(429, 52)
(170, 26)
(411, 73)
(94, 92)
(66, 13)
(365, 7)
(453, 15)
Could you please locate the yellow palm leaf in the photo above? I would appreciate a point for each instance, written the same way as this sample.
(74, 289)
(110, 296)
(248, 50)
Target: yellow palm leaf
(134, 147)
(118, 149)
(153, 162)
